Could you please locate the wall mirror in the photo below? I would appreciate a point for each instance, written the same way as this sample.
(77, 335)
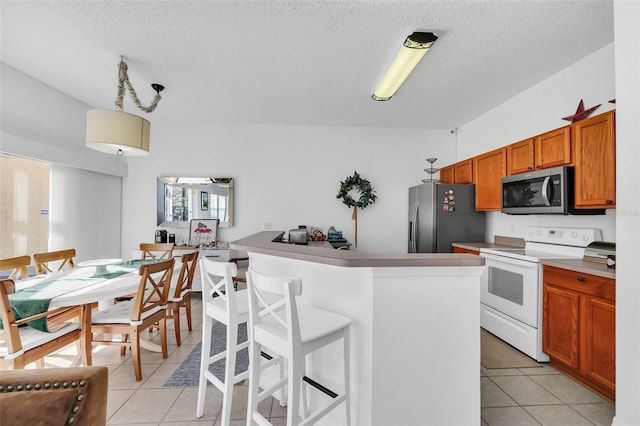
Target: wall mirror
(181, 199)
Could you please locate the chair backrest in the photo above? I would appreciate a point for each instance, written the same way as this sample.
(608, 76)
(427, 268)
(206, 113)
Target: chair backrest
(155, 281)
(17, 265)
(187, 271)
(84, 402)
(11, 333)
(217, 281)
(11, 327)
(156, 250)
(272, 300)
(64, 256)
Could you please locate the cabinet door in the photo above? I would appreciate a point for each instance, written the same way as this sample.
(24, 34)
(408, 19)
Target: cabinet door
(488, 169)
(560, 333)
(447, 174)
(598, 351)
(464, 171)
(595, 162)
(464, 250)
(553, 148)
(520, 157)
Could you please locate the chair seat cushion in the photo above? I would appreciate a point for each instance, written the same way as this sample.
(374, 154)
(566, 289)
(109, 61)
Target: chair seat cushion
(31, 338)
(182, 295)
(119, 313)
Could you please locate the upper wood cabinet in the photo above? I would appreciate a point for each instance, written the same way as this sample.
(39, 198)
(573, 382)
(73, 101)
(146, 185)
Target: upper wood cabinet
(488, 169)
(595, 161)
(460, 172)
(546, 150)
(464, 171)
(447, 174)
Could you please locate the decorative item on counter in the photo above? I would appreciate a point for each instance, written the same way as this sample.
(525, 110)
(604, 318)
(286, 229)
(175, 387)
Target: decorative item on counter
(367, 196)
(581, 113)
(431, 170)
(317, 235)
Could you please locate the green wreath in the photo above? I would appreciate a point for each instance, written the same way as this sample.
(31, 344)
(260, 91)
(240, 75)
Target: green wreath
(367, 195)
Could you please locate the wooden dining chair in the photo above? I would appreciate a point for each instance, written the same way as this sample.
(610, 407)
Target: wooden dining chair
(17, 265)
(180, 293)
(156, 250)
(65, 257)
(131, 317)
(21, 344)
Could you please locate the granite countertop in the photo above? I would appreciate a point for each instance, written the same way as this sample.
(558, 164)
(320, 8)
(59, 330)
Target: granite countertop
(265, 242)
(585, 267)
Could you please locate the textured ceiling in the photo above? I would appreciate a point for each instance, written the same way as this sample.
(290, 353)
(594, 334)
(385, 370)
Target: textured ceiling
(301, 62)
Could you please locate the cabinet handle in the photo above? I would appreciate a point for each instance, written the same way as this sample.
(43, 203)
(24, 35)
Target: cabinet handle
(608, 202)
(582, 279)
(529, 168)
(538, 166)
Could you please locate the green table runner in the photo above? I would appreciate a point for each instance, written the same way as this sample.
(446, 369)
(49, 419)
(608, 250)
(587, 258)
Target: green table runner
(36, 299)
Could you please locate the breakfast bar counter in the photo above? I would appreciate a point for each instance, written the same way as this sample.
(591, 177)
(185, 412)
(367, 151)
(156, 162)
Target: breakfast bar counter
(415, 335)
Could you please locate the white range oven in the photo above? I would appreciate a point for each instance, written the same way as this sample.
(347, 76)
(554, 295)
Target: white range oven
(511, 289)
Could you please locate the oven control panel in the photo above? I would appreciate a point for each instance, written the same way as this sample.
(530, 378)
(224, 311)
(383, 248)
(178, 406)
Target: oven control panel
(578, 237)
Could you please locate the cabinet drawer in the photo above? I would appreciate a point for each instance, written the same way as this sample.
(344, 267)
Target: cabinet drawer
(592, 285)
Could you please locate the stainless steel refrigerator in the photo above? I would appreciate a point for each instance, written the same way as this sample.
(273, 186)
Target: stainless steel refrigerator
(441, 214)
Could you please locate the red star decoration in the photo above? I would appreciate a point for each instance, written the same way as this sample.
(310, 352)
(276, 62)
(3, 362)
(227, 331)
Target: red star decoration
(581, 113)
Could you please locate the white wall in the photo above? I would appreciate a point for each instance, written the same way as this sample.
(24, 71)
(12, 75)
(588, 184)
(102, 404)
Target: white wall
(42, 123)
(536, 111)
(85, 213)
(627, 35)
(288, 176)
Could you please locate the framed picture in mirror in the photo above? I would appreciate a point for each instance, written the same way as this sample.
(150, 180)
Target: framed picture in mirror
(204, 200)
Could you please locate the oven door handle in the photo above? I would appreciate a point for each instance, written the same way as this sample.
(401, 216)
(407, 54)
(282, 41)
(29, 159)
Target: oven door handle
(496, 260)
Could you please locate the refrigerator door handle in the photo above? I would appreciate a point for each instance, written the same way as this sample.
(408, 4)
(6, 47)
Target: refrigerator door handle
(412, 229)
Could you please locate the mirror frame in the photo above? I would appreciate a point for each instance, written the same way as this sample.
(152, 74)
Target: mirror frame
(197, 183)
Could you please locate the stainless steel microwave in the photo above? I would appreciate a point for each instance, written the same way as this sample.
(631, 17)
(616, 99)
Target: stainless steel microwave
(546, 191)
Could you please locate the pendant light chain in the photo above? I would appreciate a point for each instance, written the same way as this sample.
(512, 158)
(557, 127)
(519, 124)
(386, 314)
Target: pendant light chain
(123, 79)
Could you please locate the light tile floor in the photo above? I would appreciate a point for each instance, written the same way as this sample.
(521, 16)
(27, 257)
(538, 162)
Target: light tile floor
(525, 396)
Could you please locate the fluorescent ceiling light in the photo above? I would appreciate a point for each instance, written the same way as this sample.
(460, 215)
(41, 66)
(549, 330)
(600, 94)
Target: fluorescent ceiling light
(413, 49)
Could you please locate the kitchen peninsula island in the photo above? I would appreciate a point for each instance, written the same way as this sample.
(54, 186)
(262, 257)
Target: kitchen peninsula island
(415, 336)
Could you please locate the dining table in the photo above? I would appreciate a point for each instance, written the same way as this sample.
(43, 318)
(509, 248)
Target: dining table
(94, 282)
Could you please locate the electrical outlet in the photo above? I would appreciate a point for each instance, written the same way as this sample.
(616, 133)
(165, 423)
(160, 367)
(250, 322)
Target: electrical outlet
(267, 225)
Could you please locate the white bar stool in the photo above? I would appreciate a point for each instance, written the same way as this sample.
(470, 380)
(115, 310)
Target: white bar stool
(290, 330)
(230, 308)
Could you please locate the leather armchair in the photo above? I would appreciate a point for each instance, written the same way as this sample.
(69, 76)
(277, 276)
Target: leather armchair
(54, 396)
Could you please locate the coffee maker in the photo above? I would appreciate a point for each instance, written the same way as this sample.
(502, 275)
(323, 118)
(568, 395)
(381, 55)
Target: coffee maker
(161, 236)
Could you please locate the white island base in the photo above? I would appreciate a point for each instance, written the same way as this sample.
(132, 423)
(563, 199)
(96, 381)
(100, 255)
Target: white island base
(415, 337)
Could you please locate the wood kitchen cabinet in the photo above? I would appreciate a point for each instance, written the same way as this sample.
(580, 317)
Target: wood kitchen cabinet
(464, 250)
(460, 172)
(488, 169)
(595, 161)
(549, 149)
(578, 331)
(463, 171)
(447, 174)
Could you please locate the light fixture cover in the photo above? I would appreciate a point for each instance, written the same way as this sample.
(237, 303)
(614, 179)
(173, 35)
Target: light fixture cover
(412, 51)
(117, 132)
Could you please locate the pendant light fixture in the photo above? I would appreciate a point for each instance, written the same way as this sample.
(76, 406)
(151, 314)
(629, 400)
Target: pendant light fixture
(411, 52)
(117, 132)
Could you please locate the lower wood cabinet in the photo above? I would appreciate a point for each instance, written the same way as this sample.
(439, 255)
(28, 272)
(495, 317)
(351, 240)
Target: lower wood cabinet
(464, 250)
(578, 331)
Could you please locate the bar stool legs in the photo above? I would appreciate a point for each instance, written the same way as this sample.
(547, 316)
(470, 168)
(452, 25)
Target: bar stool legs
(291, 331)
